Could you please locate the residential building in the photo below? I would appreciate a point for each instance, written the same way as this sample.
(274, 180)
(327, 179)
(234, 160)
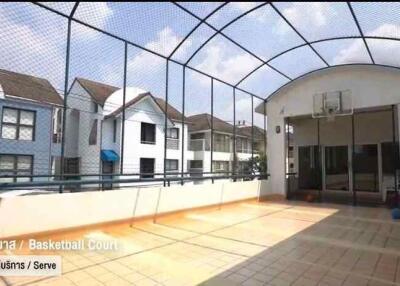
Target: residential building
(30, 133)
(94, 131)
(344, 123)
(223, 149)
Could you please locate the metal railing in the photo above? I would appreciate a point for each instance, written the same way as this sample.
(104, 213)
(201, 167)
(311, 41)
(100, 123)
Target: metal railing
(110, 180)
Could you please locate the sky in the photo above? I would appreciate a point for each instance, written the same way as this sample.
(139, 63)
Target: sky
(34, 42)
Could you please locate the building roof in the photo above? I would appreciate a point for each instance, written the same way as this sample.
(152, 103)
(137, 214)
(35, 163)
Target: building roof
(200, 122)
(29, 87)
(98, 91)
(172, 113)
(246, 131)
(203, 122)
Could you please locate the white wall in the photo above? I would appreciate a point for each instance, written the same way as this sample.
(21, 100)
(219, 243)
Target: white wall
(371, 86)
(144, 111)
(40, 213)
(78, 131)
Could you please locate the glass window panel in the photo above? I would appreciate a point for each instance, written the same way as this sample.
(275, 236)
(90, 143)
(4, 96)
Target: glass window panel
(25, 133)
(9, 132)
(26, 117)
(6, 180)
(24, 162)
(6, 162)
(10, 115)
(23, 179)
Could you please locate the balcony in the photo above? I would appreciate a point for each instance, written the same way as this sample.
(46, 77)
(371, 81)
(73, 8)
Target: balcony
(199, 145)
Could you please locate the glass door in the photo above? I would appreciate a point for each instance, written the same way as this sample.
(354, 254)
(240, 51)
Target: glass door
(366, 177)
(309, 168)
(336, 168)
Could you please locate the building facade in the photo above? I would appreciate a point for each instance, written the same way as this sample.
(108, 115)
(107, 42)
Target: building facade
(30, 112)
(352, 154)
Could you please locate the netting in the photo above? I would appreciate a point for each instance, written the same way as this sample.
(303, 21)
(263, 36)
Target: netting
(105, 82)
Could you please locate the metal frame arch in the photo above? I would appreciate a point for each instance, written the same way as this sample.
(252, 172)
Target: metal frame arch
(315, 42)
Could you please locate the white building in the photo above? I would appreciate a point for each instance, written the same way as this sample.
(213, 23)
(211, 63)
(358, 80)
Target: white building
(223, 154)
(30, 126)
(342, 155)
(94, 131)
(94, 135)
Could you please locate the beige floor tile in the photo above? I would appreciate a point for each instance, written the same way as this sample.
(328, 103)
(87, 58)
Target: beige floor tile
(287, 243)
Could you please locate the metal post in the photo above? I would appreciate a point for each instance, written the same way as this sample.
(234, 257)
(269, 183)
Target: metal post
(234, 135)
(183, 124)
(67, 62)
(319, 161)
(395, 157)
(166, 121)
(352, 161)
(287, 159)
(212, 128)
(252, 133)
(265, 136)
(123, 110)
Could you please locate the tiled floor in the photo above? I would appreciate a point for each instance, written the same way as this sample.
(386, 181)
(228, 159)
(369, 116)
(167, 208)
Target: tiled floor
(243, 244)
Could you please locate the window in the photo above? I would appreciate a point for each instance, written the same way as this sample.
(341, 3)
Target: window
(171, 165)
(57, 126)
(71, 166)
(95, 107)
(146, 168)
(93, 133)
(18, 124)
(195, 164)
(197, 136)
(19, 165)
(148, 133)
(222, 143)
(220, 166)
(115, 130)
(173, 133)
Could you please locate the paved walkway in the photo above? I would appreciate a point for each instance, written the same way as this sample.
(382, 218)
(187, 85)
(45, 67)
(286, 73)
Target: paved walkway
(242, 244)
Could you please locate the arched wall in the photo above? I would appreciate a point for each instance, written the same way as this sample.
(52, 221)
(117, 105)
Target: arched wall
(371, 86)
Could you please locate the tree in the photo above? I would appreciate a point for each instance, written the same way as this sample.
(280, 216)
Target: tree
(256, 165)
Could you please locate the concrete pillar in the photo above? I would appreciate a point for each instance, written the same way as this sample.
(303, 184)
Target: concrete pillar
(276, 152)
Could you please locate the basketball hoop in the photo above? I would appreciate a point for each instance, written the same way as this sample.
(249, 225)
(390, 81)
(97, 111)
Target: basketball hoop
(332, 104)
(330, 113)
(330, 117)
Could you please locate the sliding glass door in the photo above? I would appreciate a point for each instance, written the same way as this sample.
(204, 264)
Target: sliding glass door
(309, 168)
(336, 168)
(365, 164)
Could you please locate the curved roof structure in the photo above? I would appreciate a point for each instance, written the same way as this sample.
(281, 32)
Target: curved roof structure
(255, 47)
